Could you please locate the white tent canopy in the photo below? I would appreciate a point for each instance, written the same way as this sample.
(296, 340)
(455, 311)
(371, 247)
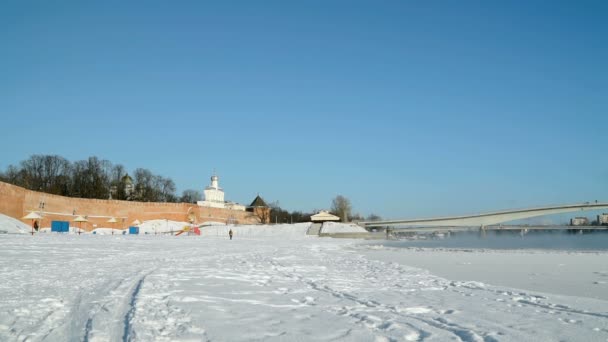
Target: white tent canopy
(323, 216)
(80, 219)
(32, 216)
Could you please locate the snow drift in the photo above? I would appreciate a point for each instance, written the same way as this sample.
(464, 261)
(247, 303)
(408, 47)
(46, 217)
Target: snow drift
(161, 227)
(335, 227)
(9, 225)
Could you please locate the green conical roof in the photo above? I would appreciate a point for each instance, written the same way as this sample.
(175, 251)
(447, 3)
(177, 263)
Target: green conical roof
(127, 179)
(258, 202)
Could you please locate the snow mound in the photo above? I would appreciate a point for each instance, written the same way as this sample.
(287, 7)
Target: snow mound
(9, 225)
(335, 227)
(109, 231)
(161, 227)
(289, 231)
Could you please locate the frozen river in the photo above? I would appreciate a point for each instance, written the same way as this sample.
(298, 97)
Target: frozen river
(143, 288)
(495, 239)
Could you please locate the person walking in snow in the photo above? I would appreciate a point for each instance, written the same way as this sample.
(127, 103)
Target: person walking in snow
(230, 234)
(36, 225)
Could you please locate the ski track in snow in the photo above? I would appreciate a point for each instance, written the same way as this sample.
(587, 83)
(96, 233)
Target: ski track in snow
(164, 288)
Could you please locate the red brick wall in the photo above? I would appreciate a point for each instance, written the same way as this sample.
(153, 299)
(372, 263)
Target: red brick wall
(18, 202)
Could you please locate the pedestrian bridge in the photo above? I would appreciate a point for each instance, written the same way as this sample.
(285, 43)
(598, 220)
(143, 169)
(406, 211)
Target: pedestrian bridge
(484, 219)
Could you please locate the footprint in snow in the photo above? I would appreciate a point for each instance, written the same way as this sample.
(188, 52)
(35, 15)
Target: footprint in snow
(305, 301)
(414, 310)
(447, 312)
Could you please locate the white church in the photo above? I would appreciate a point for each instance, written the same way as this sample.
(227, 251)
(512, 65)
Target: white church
(214, 197)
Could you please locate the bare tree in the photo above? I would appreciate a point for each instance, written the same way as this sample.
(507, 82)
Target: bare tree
(91, 178)
(47, 173)
(166, 188)
(117, 183)
(355, 217)
(341, 206)
(190, 196)
(56, 174)
(13, 175)
(373, 217)
(144, 186)
(263, 214)
(33, 172)
(152, 188)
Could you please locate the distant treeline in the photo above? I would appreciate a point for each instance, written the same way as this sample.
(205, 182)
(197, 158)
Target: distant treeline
(340, 207)
(100, 179)
(280, 215)
(93, 178)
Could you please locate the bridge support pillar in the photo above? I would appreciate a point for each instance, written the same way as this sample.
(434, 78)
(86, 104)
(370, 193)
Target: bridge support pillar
(482, 231)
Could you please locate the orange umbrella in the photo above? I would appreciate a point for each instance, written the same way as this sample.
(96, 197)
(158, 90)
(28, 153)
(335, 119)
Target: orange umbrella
(80, 219)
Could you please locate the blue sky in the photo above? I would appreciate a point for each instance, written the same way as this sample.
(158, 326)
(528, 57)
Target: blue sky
(407, 108)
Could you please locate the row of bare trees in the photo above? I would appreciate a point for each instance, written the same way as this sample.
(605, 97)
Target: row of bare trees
(341, 207)
(280, 215)
(99, 178)
(92, 178)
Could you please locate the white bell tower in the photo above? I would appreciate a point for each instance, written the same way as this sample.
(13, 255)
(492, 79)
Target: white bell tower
(214, 195)
(214, 182)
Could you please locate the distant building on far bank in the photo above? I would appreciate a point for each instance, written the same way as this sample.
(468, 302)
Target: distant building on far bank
(579, 221)
(124, 189)
(261, 209)
(214, 197)
(324, 216)
(602, 219)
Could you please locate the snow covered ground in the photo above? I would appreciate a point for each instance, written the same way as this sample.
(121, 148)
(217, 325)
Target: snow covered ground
(281, 231)
(335, 227)
(159, 287)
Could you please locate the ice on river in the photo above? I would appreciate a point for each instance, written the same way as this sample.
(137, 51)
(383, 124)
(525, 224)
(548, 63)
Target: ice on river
(160, 287)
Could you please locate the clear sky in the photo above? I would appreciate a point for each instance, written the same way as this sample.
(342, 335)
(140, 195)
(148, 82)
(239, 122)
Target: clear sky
(408, 108)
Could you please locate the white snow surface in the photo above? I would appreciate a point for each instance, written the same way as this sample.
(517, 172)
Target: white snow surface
(64, 287)
(9, 225)
(336, 227)
(109, 231)
(72, 230)
(271, 231)
(280, 231)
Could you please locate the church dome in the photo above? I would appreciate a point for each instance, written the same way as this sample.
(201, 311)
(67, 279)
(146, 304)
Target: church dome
(127, 179)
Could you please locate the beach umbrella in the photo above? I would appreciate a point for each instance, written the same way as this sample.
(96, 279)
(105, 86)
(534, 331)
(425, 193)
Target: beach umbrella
(32, 216)
(80, 219)
(112, 221)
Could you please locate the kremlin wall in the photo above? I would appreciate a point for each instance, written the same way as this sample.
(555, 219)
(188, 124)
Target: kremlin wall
(18, 202)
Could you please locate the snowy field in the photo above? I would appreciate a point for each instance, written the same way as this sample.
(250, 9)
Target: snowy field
(286, 288)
